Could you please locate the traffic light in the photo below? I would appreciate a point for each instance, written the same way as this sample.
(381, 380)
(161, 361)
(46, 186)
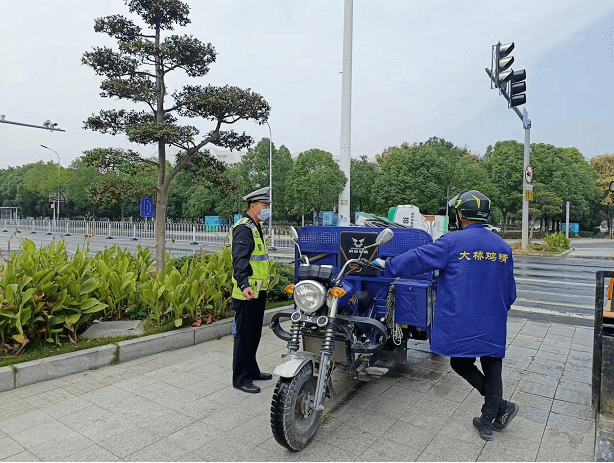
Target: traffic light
(503, 62)
(517, 88)
(564, 209)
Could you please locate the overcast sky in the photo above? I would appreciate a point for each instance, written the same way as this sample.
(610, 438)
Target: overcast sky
(418, 72)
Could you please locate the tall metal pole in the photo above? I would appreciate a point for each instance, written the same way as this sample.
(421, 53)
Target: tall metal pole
(567, 220)
(270, 184)
(59, 166)
(346, 113)
(525, 203)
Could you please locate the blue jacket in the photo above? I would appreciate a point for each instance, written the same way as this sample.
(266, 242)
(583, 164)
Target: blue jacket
(475, 290)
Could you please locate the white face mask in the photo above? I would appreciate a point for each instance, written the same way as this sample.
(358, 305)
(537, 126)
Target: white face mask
(264, 214)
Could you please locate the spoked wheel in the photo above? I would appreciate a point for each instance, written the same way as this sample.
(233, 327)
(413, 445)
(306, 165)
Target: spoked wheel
(294, 422)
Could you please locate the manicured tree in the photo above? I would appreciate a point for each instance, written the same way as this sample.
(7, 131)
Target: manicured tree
(137, 72)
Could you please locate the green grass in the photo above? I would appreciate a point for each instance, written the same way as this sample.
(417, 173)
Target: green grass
(35, 351)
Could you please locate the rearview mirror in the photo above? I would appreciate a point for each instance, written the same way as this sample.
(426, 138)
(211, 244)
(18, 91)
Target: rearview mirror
(384, 236)
(293, 234)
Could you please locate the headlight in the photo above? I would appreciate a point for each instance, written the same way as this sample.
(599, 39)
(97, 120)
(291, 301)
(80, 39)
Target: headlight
(309, 296)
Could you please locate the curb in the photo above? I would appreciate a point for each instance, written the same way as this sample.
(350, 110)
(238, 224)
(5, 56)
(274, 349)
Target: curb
(604, 439)
(45, 369)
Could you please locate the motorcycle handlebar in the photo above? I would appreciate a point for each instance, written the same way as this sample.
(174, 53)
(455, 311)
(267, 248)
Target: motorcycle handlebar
(361, 262)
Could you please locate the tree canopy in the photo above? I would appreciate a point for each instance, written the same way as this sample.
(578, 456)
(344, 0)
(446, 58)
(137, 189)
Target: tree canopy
(314, 183)
(137, 72)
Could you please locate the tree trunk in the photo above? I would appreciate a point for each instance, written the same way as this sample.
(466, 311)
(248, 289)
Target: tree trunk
(162, 198)
(504, 221)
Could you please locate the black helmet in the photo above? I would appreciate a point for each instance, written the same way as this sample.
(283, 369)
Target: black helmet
(474, 205)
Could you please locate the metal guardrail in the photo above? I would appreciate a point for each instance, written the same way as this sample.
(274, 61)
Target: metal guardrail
(180, 232)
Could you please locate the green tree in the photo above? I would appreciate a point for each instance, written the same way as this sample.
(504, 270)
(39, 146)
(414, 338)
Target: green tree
(230, 201)
(363, 175)
(504, 164)
(255, 172)
(570, 176)
(604, 168)
(546, 204)
(419, 174)
(314, 183)
(17, 192)
(138, 72)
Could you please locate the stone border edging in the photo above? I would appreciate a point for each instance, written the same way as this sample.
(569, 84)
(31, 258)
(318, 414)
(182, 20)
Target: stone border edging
(35, 371)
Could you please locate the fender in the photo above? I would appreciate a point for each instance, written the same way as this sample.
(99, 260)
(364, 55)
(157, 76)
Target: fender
(291, 365)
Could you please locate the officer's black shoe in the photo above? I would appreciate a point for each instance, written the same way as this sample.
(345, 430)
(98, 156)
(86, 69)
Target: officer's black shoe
(484, 428)
(250, 388)
(264, 376)
(501, 422)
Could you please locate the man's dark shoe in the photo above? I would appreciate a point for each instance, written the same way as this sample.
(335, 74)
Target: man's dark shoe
(485, 429)
(264, 376)
(503, 421)
(250, 388)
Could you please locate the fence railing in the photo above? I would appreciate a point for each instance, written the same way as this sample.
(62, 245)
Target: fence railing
(179, 232)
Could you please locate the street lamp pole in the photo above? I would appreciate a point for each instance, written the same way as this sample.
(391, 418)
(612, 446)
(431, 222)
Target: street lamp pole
(270, 183)
(59, 167)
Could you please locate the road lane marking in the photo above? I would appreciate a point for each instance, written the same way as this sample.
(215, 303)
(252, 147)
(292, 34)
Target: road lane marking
(592, 285)
(554, 312)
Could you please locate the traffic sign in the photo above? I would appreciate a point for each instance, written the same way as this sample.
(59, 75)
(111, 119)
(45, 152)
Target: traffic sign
(528, 195)
(528, 174)
(102, 170)
(147, 207)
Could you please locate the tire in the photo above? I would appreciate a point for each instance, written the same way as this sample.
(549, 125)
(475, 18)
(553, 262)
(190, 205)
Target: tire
(291, 427)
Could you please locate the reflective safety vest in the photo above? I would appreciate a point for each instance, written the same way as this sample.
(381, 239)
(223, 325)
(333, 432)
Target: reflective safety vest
(258, 261)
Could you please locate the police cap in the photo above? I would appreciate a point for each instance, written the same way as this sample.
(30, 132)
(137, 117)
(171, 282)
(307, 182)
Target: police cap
(262, 195)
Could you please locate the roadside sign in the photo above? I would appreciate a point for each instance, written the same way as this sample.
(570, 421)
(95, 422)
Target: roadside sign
(103, 170)
(525, 119)
(528, 174)
(147, 207)
(528, 195)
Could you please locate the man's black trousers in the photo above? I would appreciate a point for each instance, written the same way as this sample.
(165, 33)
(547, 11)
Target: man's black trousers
(489, 384)
(248, 318)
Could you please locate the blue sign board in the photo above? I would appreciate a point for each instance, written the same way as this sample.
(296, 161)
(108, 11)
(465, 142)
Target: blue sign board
(573, 227)
(147, 208)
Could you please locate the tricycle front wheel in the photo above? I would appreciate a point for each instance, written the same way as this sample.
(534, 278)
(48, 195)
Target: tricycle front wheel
(294, 422)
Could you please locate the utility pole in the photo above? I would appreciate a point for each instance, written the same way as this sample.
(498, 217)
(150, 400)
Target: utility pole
(346, 113)
(512, 85)
(59, 173)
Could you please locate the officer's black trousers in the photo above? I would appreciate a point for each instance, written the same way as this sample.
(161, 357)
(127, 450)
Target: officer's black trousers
(248, 317)
(489, 384)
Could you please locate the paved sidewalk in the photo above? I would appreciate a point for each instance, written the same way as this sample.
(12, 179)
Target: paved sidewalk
(179, 406)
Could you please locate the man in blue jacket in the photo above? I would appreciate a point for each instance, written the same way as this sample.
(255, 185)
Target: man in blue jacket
(475, 290)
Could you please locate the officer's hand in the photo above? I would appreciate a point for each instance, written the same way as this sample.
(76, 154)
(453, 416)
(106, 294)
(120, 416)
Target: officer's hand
(380, 263)
(248, 293)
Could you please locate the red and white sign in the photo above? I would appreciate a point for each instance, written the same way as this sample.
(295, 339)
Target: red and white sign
(528, 174)
(103, 170)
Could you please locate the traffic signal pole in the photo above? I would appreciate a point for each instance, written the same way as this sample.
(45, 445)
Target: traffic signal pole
(501, 77)
(525, 202)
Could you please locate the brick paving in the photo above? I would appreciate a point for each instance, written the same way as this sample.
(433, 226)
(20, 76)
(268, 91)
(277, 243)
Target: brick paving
(180, 406)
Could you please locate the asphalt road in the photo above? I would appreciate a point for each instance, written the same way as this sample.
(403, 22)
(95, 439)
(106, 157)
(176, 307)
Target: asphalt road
(549, 289)
(557, 289)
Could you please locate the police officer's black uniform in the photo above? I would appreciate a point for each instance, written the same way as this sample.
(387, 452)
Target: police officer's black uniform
(249, 314)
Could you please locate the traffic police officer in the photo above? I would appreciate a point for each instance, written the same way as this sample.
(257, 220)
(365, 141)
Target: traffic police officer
(250, 283)
(475, 290)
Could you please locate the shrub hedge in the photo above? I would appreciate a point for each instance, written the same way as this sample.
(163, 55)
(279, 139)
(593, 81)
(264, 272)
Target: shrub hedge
(46, 296)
